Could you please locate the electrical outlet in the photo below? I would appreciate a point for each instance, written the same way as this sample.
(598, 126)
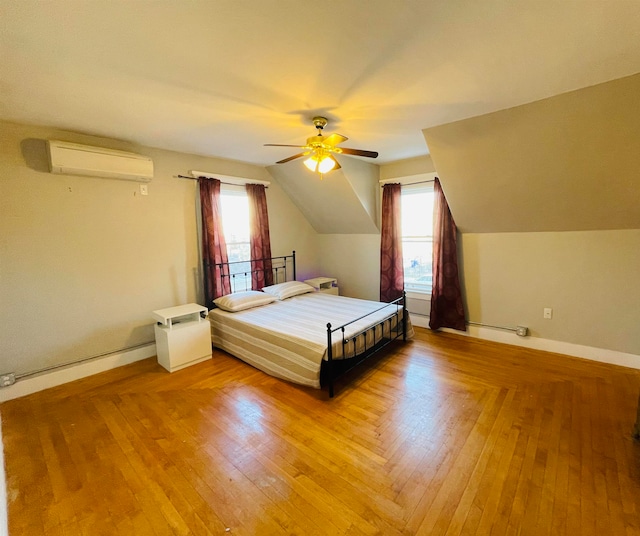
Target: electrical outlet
(522, 331)
(547, 313)
(7, 379)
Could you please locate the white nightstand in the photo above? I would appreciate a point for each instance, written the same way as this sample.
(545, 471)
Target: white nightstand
(329, 285)
(183, 337)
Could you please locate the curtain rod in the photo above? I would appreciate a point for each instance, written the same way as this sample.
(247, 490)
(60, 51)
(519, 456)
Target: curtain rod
(408, 183)
(211, 178)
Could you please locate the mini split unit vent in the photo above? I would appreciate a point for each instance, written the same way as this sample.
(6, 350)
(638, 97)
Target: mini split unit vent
(74, 159)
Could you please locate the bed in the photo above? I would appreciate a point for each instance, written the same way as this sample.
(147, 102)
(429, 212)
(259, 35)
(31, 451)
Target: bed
(306, 337)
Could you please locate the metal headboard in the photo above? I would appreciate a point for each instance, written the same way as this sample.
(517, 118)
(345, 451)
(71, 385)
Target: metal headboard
(282, 268)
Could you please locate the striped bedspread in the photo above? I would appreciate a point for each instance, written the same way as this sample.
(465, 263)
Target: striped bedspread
(288, 339)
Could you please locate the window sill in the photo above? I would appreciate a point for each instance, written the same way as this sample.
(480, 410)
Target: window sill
(418, 295)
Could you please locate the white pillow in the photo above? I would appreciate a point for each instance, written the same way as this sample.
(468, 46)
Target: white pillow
(282, 291)
(243, 300)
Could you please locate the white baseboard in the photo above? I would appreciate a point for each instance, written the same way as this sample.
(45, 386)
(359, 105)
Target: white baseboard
(419, 320)
(601, 355)
(70, 373)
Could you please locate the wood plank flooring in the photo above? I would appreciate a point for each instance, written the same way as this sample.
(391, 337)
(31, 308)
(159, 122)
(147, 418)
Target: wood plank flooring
(443, 435)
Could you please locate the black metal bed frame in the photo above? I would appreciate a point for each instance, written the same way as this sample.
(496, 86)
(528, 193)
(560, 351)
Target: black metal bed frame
(398, 312)
(334, 368)
(278, 271)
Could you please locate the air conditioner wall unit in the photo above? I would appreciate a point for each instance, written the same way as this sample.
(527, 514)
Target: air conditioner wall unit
(75, 159)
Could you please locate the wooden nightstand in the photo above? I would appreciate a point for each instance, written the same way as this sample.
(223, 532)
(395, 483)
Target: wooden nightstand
(328, 285)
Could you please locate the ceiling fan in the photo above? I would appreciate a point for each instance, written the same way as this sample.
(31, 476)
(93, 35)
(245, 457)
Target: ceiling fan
(320, 149)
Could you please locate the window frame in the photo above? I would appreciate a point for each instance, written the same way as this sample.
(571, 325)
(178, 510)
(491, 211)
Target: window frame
(422, 181)
(414, 287)
(243, 282)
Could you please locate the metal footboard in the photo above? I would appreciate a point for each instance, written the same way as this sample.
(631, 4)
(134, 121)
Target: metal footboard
(395, 330)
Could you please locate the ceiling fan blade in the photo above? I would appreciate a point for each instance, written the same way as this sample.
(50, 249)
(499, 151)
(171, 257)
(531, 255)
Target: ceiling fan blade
(334, 139)
(359, 152)
(337, 166)
(279, 145)
(290, 158)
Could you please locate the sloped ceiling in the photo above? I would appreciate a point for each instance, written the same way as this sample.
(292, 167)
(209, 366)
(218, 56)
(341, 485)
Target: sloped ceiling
(221, 78)
(343, 202)
(566, 163)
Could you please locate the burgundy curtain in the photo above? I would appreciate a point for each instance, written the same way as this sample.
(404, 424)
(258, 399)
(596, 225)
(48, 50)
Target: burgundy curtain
(214, 247)
(447, 310)
(261, 271)
(391, 271)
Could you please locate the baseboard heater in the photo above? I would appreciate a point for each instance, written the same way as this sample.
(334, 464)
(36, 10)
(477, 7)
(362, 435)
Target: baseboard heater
(79, 361)
(521, 331)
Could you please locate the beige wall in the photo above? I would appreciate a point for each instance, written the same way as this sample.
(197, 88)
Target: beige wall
(566, 163)
(289, 231)
(589, 278)
(354, 260)
(552, 186)
(343, 202)
(406, 168)
(84, 260)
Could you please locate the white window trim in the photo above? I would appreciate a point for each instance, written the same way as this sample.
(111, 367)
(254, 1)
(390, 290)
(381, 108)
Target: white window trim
(418, 295)
(233, 189)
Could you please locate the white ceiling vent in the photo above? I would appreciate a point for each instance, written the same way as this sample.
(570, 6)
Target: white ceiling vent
(74, 159)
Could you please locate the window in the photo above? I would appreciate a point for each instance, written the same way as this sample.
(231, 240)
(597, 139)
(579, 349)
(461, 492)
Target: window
(235, 221)
(417, 236)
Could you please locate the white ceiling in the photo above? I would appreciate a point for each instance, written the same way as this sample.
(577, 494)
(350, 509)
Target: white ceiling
(223, 77)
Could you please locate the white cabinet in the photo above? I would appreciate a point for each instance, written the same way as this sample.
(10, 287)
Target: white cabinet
(328, 285)
(183, 337)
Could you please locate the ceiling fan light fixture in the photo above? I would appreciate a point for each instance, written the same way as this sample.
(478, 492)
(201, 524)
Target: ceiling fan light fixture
(311, 163)
(326, 164)
(321, 149)
(322, 163)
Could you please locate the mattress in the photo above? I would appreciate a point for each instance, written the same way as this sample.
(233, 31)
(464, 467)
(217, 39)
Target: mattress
(288, 339)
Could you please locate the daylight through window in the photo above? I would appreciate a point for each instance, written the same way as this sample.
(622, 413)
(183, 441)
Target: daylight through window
(235, 221)
(417, 236)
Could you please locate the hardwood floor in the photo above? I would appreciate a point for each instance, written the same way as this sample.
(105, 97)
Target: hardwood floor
(443, 435)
